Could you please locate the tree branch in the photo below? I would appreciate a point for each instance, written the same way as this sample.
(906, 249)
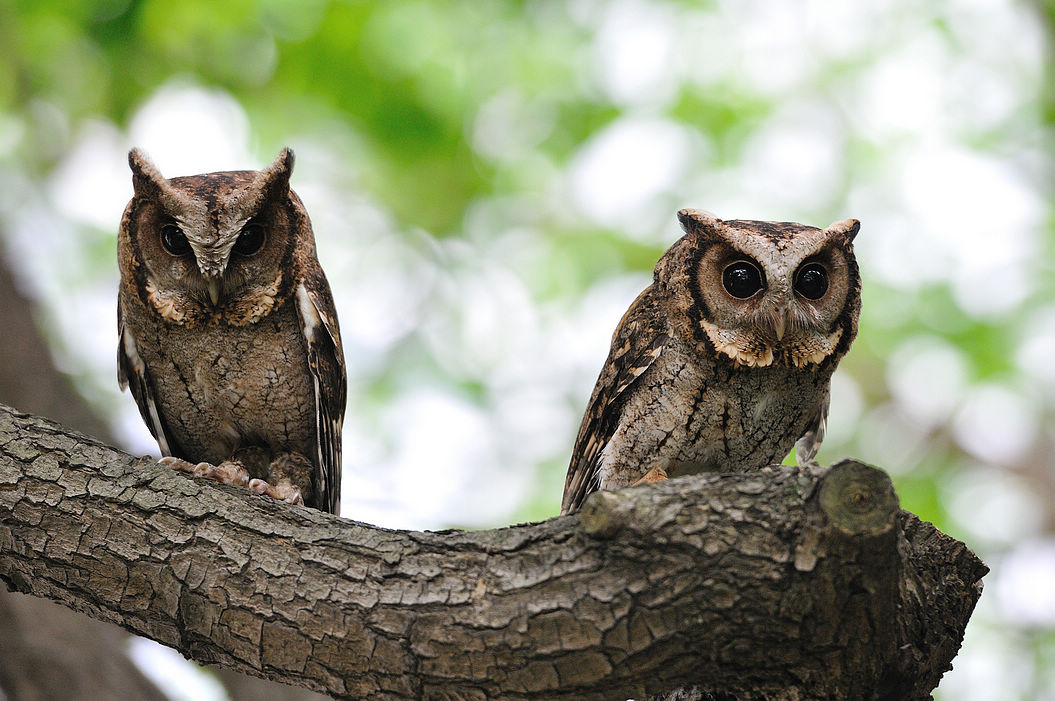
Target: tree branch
(790, 583)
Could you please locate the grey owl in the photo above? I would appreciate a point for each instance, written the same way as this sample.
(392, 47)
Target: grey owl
(228, 332)
(725, 361)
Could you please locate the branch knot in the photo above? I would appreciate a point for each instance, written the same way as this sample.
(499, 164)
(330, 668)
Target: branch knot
(858, 499)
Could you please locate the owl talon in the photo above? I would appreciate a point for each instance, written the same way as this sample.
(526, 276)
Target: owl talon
(258, 486)
(293, 496)
(227, 472)
(656, 474)
(176, 464)
(282, 491)
(231, 472)
(203, 469)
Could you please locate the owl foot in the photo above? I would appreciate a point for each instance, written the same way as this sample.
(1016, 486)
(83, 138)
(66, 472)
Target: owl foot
(177, 464)
(283, 490)
(227, 472)
(656, 474)
(232, 472)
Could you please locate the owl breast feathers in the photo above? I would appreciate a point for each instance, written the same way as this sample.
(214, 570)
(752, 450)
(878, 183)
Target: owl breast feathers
(228, 333)
(725, 361)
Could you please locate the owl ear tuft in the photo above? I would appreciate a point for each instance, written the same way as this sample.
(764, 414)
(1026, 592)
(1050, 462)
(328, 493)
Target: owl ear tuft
(699, 221)
(847, 228)
(147, 180)
(270, 185)
(273, 181)
(148, 183)
(285, 159)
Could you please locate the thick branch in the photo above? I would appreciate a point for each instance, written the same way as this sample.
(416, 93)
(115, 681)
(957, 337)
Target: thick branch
(790, 583)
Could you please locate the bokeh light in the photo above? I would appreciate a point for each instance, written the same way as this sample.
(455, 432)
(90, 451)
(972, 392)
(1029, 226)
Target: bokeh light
(491, 183)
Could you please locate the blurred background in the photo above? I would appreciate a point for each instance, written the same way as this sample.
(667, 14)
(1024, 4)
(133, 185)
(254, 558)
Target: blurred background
(490, 185)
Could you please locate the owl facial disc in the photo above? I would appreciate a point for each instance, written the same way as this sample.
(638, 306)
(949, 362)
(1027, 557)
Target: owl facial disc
(212, 233)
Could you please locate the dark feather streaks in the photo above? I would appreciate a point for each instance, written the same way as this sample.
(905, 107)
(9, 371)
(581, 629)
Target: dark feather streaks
(138, 382)
(639, 339)
(326, 364)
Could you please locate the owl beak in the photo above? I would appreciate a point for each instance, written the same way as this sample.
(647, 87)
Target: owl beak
(214, 289)
(780, 324)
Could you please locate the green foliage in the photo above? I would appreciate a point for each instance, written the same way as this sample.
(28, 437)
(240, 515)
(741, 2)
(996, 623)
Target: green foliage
(467, 129)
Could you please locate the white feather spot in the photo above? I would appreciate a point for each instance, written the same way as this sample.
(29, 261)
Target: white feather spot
(164, 303)
(727, 342)
(309, 315)
(132, 353)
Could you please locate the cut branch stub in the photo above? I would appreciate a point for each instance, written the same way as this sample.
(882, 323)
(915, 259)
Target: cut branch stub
(858, 499)
(604, 514)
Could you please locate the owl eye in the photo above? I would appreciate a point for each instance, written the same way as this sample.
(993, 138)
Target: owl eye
(174, 240)
(250, 240)
(811, 281)
(742, 279)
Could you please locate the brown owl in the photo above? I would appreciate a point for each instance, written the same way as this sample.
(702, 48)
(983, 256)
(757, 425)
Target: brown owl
(228, 333)
(725, 361)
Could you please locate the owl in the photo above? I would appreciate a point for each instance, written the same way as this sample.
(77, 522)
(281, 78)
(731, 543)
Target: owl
(725, 361)
(228, 333)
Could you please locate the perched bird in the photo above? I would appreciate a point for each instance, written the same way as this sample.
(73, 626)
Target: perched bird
(228, 332)
(725, 361)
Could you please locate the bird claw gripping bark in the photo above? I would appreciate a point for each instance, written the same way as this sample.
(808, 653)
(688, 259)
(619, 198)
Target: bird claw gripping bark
(231, 472)
(283, 490)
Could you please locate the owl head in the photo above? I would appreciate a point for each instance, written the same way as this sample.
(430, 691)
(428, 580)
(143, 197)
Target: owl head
(218, 245)
(763, 293)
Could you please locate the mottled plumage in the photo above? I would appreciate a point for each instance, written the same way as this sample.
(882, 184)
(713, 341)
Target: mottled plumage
(725, 361)
(228, 334)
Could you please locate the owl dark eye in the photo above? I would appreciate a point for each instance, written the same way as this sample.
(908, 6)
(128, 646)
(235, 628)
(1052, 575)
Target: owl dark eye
(811, 281)
(742, 279)
(174, 241)
(250, 240)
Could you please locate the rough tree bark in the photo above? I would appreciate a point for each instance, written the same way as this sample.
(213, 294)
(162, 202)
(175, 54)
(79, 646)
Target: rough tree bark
(787, 583)
(47, 652)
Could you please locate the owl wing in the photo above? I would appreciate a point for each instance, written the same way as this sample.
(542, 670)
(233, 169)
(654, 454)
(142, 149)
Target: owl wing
(807, 446)
(318, 323)
(639, 339)
(132, 374)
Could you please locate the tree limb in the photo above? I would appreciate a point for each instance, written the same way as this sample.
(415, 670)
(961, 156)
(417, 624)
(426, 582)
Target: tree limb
(789, 583)
(47, 651)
